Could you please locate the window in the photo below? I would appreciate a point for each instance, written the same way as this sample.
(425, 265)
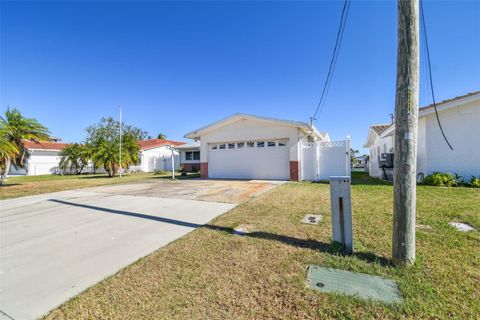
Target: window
(282, 143)
(222, 146)
(231, 146)
(250, 144)
(240, 145)
(192, 155)
(260, 144)
(271, 144)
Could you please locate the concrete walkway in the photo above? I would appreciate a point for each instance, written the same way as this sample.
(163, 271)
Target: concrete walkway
(56, 245)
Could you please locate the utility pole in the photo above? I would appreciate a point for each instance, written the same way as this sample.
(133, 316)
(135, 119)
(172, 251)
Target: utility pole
(406, 127)
(120, 147)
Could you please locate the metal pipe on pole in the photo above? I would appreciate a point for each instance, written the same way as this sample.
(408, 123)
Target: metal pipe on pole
(406, 129)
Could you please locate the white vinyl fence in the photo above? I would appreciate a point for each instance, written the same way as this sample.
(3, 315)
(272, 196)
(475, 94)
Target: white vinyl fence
(320, 160)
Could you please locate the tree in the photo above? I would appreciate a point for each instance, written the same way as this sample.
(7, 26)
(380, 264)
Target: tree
(74, 157)
(8, 150)
(103, 144)
(353, 156)
(15, 128)
(161, 136)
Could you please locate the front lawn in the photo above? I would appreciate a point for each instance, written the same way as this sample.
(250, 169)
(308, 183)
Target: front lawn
(214, 274)
(30, 185)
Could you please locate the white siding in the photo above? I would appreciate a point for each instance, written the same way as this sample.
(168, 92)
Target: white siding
(462, 128)
(380, 144)
(158, 159)
(247, 129)
(42, 162)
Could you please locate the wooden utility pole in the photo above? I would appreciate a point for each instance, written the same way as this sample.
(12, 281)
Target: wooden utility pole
(406, 128)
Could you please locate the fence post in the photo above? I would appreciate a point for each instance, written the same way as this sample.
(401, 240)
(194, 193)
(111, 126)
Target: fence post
(347, 152)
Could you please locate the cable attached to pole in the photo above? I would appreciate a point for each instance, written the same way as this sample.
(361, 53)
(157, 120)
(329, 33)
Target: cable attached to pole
(430, 75)
(336, 49)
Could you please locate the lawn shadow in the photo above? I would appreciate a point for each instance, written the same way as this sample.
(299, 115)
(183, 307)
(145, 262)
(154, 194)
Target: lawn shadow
(333, 249)
(178, 176)
(9, 185)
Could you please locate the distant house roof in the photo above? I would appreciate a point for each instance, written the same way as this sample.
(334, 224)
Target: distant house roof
(310, 129)
(155, 143)
(43, 145)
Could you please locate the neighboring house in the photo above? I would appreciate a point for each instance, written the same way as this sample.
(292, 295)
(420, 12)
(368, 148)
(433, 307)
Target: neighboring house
(42, 158)
(252, 147)
(360, 161)
(460, 119)
(190, 156)
(156, 154)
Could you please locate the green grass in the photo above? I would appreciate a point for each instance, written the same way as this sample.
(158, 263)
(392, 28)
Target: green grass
(31, 185)
(214, 274)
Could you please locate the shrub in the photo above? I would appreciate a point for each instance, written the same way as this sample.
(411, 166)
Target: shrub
(439, 179)
(474, 182)
(194, 169)
(161, 172)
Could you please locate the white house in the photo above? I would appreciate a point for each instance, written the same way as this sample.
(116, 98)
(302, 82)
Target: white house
(460, 119)
(190, 156)
(43, 157)
(252, 147)
(156, 154)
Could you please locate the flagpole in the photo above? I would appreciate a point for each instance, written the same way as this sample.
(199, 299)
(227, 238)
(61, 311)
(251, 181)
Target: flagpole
(120, 148)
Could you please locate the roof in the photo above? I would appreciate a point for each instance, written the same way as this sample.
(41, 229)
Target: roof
(468, 95)
(310, 129)
(379, 128)
(43, 145)
(155, 143)
(193, 145)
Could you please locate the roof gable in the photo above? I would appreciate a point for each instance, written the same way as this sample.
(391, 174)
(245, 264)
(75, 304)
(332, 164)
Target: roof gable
(196, 134)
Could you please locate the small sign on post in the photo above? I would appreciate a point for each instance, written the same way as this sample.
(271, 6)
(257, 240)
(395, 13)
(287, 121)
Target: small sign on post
(340, 200)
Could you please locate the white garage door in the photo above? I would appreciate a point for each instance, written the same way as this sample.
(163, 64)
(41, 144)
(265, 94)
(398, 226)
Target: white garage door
(249, 160)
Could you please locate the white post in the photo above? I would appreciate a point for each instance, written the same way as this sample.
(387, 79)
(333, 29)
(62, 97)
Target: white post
(347, 152)
(120, 147)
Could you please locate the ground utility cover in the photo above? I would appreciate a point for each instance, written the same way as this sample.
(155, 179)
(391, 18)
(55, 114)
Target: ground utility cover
(362, 285)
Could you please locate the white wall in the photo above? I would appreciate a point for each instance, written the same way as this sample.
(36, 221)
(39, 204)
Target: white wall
(158, 159)
(42, 161)
(462, 128)
(380, 145)
(247, 129)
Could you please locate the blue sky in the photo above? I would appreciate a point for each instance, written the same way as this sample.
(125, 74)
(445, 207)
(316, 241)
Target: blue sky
(176, 66)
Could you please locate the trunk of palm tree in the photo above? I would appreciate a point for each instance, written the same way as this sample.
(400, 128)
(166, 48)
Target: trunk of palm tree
(4, 173)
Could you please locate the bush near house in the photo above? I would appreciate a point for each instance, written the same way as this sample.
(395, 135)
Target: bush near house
(474, 182)
(439, 179)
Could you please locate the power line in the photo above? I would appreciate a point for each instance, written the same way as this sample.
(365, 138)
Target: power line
(430, 74)
(333, 61)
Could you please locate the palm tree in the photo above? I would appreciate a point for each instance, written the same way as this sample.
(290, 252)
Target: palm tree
(106, 154)
(15, 128)
(74, 157)
(161, 136)
(8, 150)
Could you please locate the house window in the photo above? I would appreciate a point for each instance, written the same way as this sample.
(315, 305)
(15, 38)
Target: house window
(271, 144)
(222, 146)
(260, 144)
(231, 146)
(192, 155)
(250, 144)
(240, 145)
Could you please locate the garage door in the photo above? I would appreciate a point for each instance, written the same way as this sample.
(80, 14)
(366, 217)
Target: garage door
(249, 160)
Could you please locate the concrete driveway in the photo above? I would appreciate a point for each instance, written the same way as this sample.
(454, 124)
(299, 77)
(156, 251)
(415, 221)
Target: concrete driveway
(56, 245)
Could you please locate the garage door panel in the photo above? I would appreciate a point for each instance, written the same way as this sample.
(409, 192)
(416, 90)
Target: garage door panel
(249, 163)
